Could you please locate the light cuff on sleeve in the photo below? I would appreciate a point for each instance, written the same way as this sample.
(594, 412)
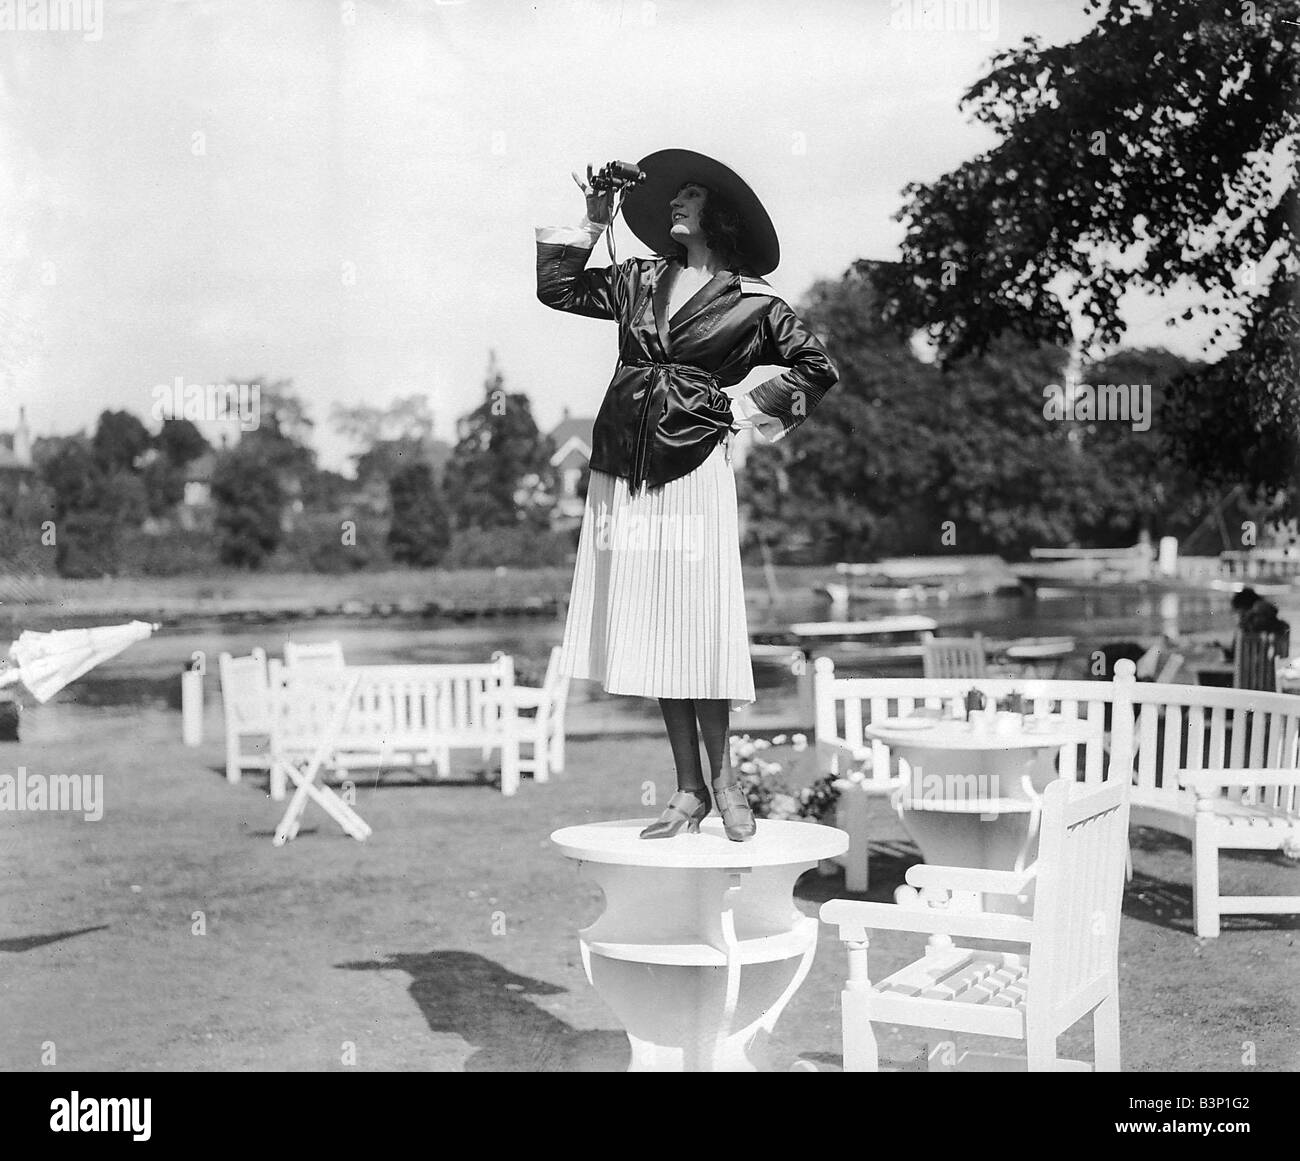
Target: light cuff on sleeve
(768, 426)
(584, 235)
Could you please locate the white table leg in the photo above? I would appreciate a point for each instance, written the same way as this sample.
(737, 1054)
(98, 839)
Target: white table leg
(1005, 841)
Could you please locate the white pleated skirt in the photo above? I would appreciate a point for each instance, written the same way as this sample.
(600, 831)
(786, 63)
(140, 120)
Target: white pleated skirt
(657, 607)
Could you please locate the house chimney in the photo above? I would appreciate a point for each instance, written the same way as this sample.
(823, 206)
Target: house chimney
(22, 439)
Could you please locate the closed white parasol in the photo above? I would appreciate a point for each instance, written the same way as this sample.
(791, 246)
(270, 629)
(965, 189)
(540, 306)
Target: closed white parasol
(46, 662)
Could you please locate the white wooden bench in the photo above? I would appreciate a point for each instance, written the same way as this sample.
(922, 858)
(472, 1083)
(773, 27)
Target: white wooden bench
(410, 715)
(1238, 751)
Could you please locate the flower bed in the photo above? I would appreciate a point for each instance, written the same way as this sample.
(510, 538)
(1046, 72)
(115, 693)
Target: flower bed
(770, 791)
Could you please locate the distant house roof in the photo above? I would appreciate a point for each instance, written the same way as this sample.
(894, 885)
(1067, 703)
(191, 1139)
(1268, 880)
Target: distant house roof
(571, 425)
(9, 462)
(572, 433)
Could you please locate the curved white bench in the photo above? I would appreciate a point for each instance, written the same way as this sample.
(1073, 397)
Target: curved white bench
(1220, 767)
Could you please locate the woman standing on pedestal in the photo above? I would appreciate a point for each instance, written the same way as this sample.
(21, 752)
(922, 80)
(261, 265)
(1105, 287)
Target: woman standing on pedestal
(657, 607)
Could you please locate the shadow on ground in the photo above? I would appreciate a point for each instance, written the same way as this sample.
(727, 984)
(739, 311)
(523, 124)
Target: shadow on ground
(487, 1005)
(1169, 904)
(398, 778)
(28, 942)
(888, 861)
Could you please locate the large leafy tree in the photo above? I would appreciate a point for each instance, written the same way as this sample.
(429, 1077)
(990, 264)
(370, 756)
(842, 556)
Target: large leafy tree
(180, 442)
(1158, 151)
(420, 532)
(94, 496)
(69, 467)
(120, 440)
(500, 472)
(854, 481)
(281, 442)
(909, 456)
(1139, 487)
(249, 498)
(176, 445)
(392, 437)
(1009, 476)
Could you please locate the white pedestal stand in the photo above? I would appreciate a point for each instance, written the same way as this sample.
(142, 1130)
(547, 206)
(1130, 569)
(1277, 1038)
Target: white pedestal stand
(700, 946)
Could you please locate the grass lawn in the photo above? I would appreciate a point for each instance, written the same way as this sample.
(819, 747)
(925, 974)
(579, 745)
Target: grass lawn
(172, 935)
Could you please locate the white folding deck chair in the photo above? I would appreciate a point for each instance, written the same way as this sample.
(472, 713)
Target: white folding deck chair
(1068, 970)
(309, 712)
(246, 705)
(1169, 671)
(1159, 663)
(953, 656)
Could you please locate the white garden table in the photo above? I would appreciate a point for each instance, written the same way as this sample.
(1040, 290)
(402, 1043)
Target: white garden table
(971, 790)
(700, 946)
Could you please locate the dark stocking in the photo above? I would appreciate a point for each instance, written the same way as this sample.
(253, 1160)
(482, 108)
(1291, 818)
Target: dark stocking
(715, 723)
(679, 717)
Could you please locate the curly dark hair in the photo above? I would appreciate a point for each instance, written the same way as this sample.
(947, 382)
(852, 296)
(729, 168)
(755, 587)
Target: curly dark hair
(723, 229)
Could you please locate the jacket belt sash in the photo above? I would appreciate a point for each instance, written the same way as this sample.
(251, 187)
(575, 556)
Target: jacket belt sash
(654, 398)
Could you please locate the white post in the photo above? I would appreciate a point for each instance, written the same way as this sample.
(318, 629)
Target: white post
(192, 707)
(1168, 558)
(9, 710)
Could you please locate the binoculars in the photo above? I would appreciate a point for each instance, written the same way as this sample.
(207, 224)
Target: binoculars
(615, 175)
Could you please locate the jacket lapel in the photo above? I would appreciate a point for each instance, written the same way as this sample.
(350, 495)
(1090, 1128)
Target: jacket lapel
(668, 274)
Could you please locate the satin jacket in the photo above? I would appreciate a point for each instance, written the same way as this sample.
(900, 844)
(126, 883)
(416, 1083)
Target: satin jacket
(665, 409)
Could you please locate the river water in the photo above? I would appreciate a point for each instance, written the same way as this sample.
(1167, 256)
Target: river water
(148, 673)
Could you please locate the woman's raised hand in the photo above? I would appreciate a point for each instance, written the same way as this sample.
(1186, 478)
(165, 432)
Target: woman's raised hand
(598, 204)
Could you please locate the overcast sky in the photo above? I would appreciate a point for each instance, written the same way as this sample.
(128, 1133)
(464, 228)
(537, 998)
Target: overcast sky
(345, 194)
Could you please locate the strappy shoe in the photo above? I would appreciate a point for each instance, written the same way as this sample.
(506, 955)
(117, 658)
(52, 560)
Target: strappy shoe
(686, 808)
(737, 818)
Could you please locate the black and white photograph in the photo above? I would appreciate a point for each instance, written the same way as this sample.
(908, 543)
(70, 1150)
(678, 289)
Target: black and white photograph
(596, 536)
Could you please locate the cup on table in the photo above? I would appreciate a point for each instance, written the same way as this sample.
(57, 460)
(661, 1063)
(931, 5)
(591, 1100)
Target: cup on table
(1007, 722)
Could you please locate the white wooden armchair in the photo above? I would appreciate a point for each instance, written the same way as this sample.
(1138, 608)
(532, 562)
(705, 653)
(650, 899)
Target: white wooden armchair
(953, 656)
(246, 705)
(539, 721)
(1068, 968)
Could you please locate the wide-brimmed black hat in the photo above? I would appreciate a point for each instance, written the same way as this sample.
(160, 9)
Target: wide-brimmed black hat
(645, 208)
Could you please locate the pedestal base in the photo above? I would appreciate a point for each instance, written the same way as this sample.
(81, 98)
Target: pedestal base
(700, 947)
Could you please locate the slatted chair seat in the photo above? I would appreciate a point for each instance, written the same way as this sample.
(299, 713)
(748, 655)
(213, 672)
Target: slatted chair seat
(962, 976)
(1236, 815)
(1234, 819)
